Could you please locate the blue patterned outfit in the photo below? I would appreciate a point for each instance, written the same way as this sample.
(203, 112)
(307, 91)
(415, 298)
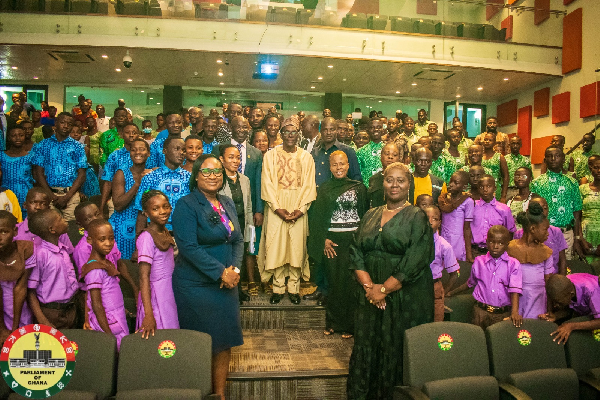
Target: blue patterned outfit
(157, 158)
(17, 175)
(119, 159)
(61, 160)
(91, 186)
(174, 183)
(123, 222)
(207, 148)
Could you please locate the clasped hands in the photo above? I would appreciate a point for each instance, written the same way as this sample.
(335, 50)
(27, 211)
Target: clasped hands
(375, 296)
(229, 278)
(287, 216)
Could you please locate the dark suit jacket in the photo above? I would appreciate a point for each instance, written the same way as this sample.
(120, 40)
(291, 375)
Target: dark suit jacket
(205, 248)
(253, 171)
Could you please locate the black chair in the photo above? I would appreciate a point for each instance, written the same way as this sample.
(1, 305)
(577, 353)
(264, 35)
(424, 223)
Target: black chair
(577, 267)
(527, 360)
(446, 360)
(377, 22)
(583, 355)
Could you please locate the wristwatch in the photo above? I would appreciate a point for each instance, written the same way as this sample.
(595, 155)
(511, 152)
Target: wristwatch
(382, 289)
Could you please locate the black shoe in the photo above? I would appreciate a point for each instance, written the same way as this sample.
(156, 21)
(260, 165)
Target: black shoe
(244, 296)
(316, 295)
(276, 298)
(322, 301)
(294, 298)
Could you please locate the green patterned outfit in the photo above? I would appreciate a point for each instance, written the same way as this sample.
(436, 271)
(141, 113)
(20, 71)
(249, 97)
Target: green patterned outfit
(421, 130)
(492, 167)
(369, 160)
(95, 148)
(109, 142)
(580, 163)
(563, 197)
(590, 217)
(463, 150)
(443, 167)
(402, 248)
(514, 163)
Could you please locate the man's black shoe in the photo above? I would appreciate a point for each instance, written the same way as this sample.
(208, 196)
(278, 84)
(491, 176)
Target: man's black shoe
(294, 298)
(276, 298)
(244, 296)
(316, 295)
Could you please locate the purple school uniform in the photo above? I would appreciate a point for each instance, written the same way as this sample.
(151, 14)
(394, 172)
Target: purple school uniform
(53, 277)
(452, 227)
(533, 302)
(161, 284)
(444, 257)
(556, 241)
(112, 301)
(8, 300)
(23, 233)
(587, 293)
(495, 278)
(82, 252)
(486, 215)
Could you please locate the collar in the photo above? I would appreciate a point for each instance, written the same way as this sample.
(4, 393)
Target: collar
(553, 175)
(578, 295)
(52, 247)
(167, 170)
(233, 142)
(488, 257)
(492, 203)
(335, 144)
(67, 139)
(25, 225)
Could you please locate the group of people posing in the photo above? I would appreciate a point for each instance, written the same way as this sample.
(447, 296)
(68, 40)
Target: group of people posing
(209, 199)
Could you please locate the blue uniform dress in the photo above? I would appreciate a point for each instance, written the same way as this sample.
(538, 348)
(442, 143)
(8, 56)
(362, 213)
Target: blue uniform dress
(123, 222)
(120, 159)
(61, 160)
(207, 245)
(17, 175)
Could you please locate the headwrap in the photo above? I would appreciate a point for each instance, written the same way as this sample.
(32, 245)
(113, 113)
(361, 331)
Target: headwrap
(291, 121)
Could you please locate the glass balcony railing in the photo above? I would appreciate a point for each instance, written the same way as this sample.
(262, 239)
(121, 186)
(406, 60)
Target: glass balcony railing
(469, 19)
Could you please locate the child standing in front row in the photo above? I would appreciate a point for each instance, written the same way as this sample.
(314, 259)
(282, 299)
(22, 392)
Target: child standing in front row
(106, 309)
(457, 213)
(17, 259)
(156, 302)
(52, 284)
(444, 259)
(497, 279)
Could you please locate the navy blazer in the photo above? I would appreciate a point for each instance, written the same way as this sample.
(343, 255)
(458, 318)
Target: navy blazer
(253, 171)
(205, 248)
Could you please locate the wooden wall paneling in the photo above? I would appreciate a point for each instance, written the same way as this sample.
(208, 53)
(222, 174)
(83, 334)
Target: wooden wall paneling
(427, 7)
(565, 2)
(561, 108)
(524, 128)
(542, 11)
(508, 24)
(538, 148)
(572, 41)
(589, 100)
(541, 102)
(493, 7)
(507, 113)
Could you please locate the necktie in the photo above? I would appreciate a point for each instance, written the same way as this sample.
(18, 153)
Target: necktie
(239, 147)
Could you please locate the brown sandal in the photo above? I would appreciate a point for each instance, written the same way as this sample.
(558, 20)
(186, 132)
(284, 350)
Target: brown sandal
(328, 332)
(252, 289)
(347, 336)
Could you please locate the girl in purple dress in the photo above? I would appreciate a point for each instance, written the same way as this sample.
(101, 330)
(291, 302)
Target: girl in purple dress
(156, 302)
(457, 214)
(535, 258)
(106, 310)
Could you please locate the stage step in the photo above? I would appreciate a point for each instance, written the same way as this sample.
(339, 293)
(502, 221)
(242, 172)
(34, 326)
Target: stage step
(291, 364)
(258, 313)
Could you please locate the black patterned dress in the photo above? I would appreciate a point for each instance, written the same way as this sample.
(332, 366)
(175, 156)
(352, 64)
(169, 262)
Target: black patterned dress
(402, 248)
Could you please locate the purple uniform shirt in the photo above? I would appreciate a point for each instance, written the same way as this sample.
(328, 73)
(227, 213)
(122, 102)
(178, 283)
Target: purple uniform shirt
(23, 233)
(587, 292)
(495, 278)
(444, 257)
(486, 215)
(556, 241)
(53, 277)
(8, 300)
(453, 224)
(82, 252)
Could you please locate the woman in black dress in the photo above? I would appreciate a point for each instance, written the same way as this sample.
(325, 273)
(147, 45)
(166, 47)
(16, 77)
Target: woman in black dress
(211, 247)
(391, 253)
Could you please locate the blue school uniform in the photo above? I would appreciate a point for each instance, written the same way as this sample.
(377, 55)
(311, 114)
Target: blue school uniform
(91, 186)
(61, 160)
(17, 175)
(123, 222)
(120, 159)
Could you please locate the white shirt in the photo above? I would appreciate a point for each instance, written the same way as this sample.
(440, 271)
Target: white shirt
(102, 124)
(242, 153)
(311, 144)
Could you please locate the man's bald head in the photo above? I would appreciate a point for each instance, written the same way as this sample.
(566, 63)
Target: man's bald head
(423, 152)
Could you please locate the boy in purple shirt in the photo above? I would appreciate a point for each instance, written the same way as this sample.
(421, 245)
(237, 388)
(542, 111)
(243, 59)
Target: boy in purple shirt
(52, 284)
(489, 212)
(498, 282)
(37, 199)
(444, 259)
(580, 293)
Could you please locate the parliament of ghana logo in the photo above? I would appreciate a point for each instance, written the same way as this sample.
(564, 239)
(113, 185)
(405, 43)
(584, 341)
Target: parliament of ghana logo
(37, 361)
(445, 342)
(596, 334)
(166, 349)
(524, 337)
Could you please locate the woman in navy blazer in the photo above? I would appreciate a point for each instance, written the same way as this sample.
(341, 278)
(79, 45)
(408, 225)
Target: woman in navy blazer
(211, 247)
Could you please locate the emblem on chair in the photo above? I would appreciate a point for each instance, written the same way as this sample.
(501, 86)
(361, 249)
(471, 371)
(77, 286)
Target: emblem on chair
(166, 349)
(596, 335)
(445, 342)
(524, 337)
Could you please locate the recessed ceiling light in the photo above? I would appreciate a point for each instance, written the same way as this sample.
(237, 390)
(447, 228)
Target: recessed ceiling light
(330, 66)
(35, 77)
(221, 83)
(142, 91)
(312, 87)
(158, 104)
(414, 84)
(381, 101)
(397, 92)
(458, 96)
(104, 56)
(320, 78)
(344, 79)
(480, 88)
(151, 98)
(295, 107)
(129, 80)
(118, 69)
(13, 67)
(219, 61)
(75, 96)
(220, 73)
(505, 79)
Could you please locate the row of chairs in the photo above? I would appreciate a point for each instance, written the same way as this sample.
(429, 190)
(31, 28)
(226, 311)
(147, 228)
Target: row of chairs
(137, 371)
(450, 360)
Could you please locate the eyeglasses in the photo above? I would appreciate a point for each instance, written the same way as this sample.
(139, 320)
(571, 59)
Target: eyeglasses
(289, 133)
(206, 172)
